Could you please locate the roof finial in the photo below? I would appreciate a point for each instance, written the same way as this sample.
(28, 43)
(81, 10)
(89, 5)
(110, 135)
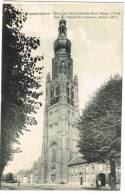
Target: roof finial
(62, 25)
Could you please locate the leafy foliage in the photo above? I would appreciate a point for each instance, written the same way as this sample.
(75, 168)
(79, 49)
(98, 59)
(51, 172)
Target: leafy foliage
(21, 80)
(8, 177)
(100, 125)
(36, 168)
(35, 171)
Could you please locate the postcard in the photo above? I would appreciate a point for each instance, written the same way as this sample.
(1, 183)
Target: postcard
(61, 95)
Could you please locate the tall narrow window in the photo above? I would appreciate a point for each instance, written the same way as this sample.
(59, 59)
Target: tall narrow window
(52, 96)
(54, 153)
(55, 94)
(72, 96)
(57, 91)
(68, 92)
(67, 89)
(52, 93)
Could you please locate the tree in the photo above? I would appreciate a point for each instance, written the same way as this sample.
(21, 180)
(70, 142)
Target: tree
(8, 177)
(21, 81)
(36, 169)
(100, 126)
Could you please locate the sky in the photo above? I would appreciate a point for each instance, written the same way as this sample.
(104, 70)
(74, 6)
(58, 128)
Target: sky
(96, 52)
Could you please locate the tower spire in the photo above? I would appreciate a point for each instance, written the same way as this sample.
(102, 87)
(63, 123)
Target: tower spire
(62, 26)
(62, 62)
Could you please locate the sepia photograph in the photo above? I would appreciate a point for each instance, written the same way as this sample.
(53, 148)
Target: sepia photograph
(61, 96)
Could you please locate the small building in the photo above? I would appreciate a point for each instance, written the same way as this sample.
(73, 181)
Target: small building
(82, 173)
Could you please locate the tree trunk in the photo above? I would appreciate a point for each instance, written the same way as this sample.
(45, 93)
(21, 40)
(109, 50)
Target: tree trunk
(0, 177)
(113, 174)
(1, 173)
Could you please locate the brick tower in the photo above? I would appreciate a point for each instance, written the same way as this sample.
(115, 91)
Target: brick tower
(60, 134)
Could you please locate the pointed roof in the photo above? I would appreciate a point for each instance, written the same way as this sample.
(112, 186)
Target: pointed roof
(77, 160)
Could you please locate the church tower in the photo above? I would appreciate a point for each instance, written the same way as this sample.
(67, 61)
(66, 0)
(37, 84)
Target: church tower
(61, 113)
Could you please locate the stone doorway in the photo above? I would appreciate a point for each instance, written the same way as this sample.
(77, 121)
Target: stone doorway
(101, 177)
(53, 177)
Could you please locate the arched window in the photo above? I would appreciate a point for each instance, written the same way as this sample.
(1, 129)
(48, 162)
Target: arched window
(54, 153)
(67, 89)
(57, 91)
(72, 92)
(72, 96)
(68, 92)
(52, 96)
(55, 94)
(52, 93)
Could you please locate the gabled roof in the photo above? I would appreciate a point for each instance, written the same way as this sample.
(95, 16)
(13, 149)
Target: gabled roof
(77, 160)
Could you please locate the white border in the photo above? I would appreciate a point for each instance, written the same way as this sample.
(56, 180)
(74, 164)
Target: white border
(123, 110)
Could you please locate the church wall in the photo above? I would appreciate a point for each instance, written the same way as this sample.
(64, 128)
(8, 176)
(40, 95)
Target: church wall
(62, 131)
